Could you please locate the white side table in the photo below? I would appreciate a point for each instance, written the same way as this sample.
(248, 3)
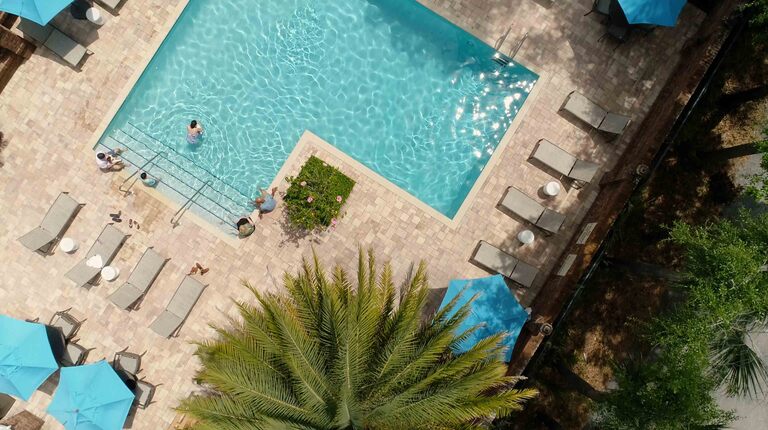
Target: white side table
(110, 273)
(94, 16)
(552, 188)
(525, 237)
(68, 245)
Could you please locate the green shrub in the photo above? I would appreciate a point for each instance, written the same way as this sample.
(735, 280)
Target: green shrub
(316, 195)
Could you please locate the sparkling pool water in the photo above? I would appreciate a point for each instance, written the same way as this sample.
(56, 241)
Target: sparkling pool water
(389, 82)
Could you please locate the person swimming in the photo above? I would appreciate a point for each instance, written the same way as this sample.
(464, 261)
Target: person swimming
(194, 131)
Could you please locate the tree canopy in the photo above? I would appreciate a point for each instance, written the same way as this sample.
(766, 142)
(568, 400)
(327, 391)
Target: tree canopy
(337, 352)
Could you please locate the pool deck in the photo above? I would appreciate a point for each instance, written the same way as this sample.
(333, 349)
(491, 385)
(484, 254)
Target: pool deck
(51, 115)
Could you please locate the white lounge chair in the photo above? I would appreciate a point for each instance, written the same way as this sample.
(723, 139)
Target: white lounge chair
(58, 42)
(590, 112)
(529, 209)
(168, 323)
(60, 215)
(564, 163)
(495, 260)
(142, 277)
(106, 246)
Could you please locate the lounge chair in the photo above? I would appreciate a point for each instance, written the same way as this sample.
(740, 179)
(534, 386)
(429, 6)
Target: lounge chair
(495, 260)
(590, 112)
(58, 42)
(106, 246)
(168, 323)
(74, 355)
(142, 277)
(127, 362)
(143, 393)
(60, 215)
(564, 163)
(523, 205)
(65, 322)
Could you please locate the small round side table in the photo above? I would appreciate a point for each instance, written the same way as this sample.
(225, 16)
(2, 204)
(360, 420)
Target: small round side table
(68, 245)
(110, 273)
(526, 237)
(552, 188)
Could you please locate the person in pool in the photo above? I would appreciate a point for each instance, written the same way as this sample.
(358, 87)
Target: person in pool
(194, 131)
(266, 203)
(148, 181)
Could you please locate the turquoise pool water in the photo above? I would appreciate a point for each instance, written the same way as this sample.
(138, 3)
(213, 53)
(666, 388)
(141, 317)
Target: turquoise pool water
(390, 83)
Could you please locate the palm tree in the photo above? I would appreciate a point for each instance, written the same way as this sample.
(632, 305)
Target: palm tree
(733, 359)
(330, 355)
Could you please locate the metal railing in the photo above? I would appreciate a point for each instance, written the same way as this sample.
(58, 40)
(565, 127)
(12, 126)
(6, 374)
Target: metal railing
(183, 209)
(140, 169)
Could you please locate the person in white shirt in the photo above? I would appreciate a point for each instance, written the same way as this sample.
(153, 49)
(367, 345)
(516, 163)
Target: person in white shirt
(109, 161)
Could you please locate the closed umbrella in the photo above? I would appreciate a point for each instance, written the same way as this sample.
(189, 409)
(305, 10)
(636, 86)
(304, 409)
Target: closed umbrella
(26, 360)
(91, 397)
(654, 12)
(495, 309)
(39, 11)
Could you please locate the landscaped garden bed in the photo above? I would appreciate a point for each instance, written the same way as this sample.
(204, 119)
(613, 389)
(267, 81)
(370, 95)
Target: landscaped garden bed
(316, 195)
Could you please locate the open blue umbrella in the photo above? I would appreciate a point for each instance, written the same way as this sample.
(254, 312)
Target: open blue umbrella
(495, 308)
(26, 360)
(91, 397)
(656, 12)
(39, 11)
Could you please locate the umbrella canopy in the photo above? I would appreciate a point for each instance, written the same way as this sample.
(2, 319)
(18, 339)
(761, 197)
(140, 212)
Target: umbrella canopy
(91, 397)
(39, 11)
(656, 12)
(26, 360)
(495, 309)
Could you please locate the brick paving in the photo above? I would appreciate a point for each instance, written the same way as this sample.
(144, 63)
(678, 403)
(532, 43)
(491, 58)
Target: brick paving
(51, 115)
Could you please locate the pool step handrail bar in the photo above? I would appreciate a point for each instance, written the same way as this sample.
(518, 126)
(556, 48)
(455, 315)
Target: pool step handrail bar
(500, 41)
(183, 209)
(513, 52)
(140, 169)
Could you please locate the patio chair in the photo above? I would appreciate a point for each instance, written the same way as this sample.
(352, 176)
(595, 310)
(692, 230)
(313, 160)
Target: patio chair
(127, 361)
(495, 260)
(65, 322)
(590, 112)
(168, 323)
(143, 393)
(6, 403)
(564, 163)
(60, 215)
(529, 209)
(600, 6)
(106, 246)
(58, 42)
(142, 277)
(74, 355)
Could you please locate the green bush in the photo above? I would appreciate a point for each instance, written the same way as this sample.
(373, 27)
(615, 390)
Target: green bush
(316, 195)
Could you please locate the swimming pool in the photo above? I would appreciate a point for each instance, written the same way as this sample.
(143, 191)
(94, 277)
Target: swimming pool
(390, 83)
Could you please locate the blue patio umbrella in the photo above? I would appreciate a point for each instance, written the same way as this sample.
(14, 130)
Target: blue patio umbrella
(26, 360)
(39, 11)
(656, 12)
(495, 308)
(91, 397)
